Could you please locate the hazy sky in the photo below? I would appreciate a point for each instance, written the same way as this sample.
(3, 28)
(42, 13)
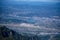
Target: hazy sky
(41, 0)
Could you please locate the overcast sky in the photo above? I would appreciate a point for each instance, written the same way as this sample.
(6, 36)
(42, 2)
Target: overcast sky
(40, 0)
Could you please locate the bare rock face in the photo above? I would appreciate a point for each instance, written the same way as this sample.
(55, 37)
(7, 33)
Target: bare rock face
(4, 32)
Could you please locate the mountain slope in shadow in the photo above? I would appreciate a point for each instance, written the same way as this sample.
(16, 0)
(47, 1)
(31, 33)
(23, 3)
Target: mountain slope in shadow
(8, 34)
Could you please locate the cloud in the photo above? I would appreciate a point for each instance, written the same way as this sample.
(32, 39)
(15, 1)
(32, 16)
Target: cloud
(28, 26)
(31, 29)
(44, 33)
